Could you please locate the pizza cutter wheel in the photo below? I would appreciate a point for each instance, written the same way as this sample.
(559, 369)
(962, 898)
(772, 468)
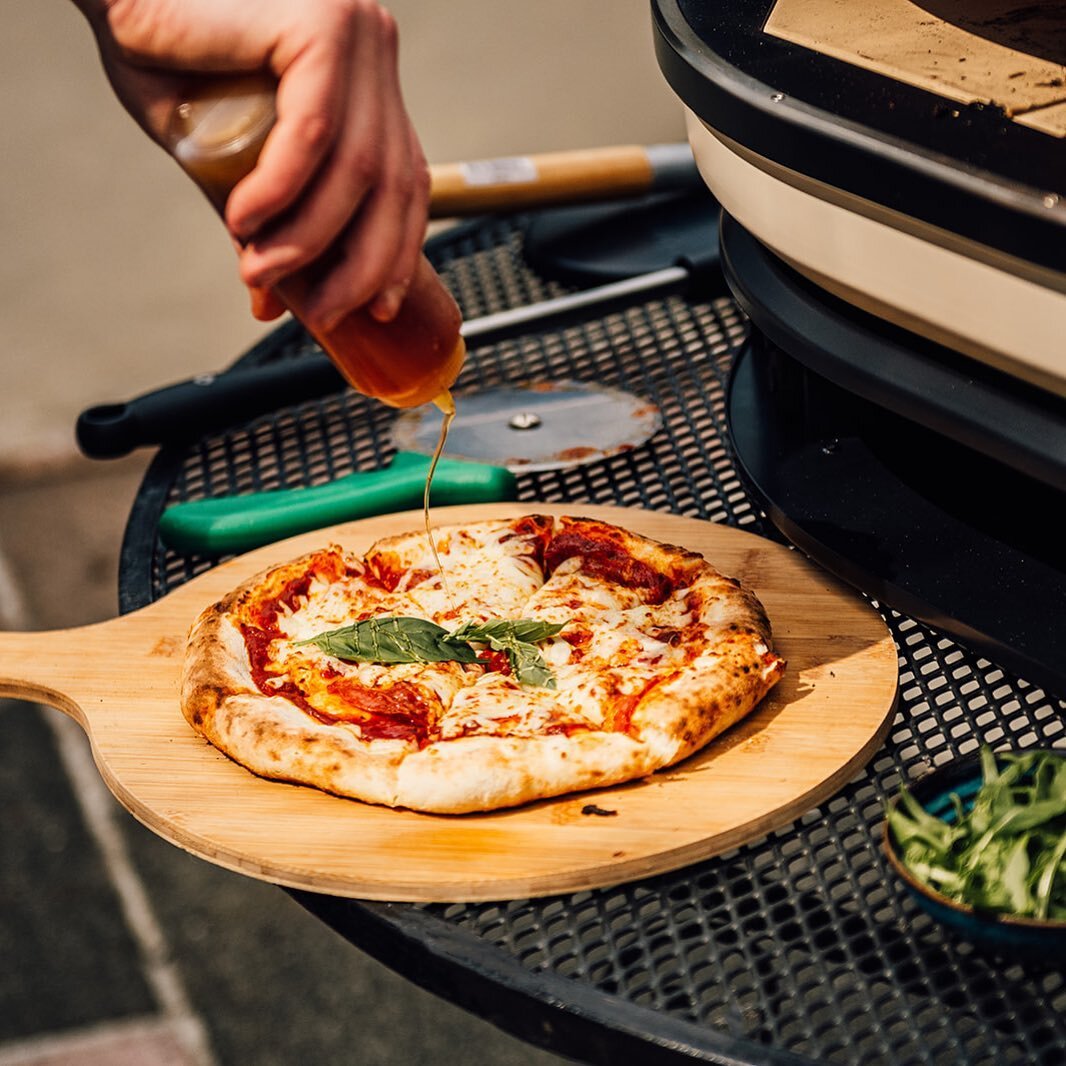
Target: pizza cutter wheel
(496, 434)
(533, 427)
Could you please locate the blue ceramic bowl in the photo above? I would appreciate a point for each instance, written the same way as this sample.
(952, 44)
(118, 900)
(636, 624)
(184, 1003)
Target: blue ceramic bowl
(1032, 937)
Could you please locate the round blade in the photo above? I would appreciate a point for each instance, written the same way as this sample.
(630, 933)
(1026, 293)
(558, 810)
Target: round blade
(540, 426)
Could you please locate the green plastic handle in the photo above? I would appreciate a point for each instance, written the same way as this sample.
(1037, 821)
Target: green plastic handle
(232, 524)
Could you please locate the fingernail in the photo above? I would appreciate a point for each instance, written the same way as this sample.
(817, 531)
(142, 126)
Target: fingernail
(245, 230)
(263, 277)
(386, 305)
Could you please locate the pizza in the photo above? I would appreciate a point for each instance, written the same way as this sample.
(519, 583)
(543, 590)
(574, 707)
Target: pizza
(501, 662)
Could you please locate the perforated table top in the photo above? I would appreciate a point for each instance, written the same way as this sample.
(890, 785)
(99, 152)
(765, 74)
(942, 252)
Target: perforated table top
(799, 947)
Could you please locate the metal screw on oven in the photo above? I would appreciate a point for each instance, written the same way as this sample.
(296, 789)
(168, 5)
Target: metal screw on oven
(524, 420)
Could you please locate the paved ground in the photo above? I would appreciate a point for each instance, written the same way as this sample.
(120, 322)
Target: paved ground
(117, 948)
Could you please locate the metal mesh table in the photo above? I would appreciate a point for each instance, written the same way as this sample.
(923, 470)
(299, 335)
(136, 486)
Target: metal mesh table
(798, 947)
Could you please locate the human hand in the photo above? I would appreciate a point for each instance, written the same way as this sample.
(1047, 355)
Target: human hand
(342, 171)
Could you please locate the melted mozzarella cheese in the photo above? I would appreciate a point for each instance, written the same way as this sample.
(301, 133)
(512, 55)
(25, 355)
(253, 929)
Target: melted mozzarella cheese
(496, 705)
(613, 646)
(333, 606)
(489, 574)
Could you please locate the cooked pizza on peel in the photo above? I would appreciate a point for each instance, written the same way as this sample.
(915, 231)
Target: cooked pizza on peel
(543, 656)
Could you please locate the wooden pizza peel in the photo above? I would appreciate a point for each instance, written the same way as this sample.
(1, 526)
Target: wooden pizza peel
(119, 679)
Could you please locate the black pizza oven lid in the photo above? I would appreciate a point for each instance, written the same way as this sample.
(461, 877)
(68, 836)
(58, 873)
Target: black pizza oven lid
(972, 169)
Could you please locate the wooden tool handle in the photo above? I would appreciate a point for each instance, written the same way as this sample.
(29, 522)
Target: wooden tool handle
(518, 182)
(217, 132)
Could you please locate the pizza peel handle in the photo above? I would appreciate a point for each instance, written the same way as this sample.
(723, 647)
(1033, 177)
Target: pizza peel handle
(118, 679)
(42, 667)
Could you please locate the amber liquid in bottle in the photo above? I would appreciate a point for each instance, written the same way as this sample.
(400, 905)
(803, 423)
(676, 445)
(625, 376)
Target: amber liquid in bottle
(216, 135)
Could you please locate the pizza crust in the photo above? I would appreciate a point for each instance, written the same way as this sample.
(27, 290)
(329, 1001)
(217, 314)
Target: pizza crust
(269, 735)
(485, 773)
(677, 715)
(723, 683)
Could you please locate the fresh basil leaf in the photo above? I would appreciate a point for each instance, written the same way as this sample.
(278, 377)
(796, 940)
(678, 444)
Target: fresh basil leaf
(392, 640)
(498, 632)
(528, 665)
(417, 640)
(518, 639)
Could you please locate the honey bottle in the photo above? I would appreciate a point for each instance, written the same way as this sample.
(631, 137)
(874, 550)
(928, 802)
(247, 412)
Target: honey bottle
(216, 134)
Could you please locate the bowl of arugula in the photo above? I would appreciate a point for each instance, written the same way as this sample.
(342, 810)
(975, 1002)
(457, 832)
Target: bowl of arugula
(981, 844)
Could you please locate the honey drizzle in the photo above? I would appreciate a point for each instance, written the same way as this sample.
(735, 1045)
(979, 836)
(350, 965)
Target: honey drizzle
(445, 401)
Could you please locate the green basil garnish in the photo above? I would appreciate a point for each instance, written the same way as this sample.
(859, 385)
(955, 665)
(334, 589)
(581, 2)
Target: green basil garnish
(392, 640)
(524, 630)
(518, 639)
(417, 640)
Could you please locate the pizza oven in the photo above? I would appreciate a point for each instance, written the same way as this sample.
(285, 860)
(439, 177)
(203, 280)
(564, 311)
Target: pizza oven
(892, 178)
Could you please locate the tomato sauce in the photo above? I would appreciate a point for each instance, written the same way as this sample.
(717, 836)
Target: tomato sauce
(258, 640)
(400, 712)
(620, 715)
(495, 661)
(537, 529)
(603, 558)
(578, 639)
(266, 612)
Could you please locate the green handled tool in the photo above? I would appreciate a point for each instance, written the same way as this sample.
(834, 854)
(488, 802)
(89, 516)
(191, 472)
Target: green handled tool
(497, 434)
(231, 524)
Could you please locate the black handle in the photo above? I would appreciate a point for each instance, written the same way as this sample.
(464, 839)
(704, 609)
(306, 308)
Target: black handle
(196, 408)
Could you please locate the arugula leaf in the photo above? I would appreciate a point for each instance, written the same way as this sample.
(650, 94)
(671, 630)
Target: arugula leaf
(1053, 866)
(915, 823)
(1007, 852)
